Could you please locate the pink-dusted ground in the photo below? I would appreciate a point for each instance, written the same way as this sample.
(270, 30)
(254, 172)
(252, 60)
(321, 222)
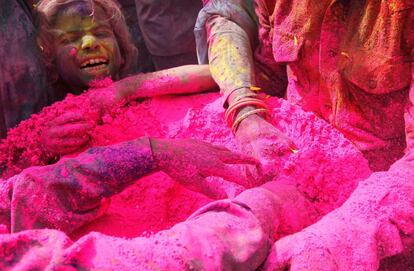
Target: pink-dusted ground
(326, 168)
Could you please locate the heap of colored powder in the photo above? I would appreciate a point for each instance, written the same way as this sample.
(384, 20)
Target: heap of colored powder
(326, 169)
(321, 169)
(22, 147)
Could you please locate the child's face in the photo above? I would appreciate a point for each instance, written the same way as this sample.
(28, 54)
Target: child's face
(86, 48)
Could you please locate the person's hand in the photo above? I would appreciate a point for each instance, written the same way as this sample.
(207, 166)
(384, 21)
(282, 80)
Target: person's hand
(336, 243)
(66, 134)
(105, 98)
(262, 140)
(189, 161)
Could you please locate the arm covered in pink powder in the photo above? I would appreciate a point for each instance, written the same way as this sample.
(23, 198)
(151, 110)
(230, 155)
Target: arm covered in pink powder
(68, 194)
(69, 132)
(231, 34)
(179, 80)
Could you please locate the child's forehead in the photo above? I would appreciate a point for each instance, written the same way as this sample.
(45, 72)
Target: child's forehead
(81, 17)
(82, 10)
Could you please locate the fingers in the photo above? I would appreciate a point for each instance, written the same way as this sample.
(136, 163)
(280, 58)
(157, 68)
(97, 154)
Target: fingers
(73, 142)
(66, 145)
(403, 220)
(201, 185)
(70, 130)
(67, 133)
(229, 157)
(286, 145)
(295, 254)
(228, 173)
(68, 117)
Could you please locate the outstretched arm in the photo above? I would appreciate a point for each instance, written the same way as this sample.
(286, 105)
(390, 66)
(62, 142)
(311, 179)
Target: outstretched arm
(179, 80)
(69, 194)
(69, 132)
(231, 30)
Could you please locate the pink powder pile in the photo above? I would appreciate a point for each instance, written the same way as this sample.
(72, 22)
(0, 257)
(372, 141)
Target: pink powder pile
(327, 167)
(22, 147)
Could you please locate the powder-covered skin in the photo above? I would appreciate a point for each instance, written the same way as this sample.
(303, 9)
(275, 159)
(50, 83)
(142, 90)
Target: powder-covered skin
(23, 148)
(321, 168)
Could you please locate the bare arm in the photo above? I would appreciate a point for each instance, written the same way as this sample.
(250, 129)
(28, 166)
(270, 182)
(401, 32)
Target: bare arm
(68, 194)
(231, 58)
(179, 80)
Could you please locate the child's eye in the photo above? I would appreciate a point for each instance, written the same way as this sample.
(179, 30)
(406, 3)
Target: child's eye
(68, 39)
(103, 33)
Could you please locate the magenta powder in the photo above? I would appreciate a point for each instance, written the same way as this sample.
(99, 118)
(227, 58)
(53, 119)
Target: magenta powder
(326, 169)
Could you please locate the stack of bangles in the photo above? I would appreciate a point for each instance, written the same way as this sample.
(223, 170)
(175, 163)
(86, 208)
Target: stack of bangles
(232, 110)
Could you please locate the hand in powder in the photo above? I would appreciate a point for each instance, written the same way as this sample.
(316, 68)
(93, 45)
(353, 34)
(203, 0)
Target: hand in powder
(66, 134)
(190, 161)
(262, 140)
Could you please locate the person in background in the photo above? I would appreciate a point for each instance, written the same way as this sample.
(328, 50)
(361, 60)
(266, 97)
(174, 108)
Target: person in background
(167, 27)
(24, 88)
(349, 62)
(144, 62)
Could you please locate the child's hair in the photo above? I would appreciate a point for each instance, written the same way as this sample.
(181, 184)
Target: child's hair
(48, 11)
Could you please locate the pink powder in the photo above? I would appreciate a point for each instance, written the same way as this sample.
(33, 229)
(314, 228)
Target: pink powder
(326, 169)
(73, 51)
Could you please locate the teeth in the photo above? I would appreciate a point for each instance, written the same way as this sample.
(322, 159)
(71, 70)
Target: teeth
(97, 67)
(93, 61)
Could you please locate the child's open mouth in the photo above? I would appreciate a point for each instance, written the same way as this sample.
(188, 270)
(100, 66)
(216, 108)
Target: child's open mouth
(94, 64)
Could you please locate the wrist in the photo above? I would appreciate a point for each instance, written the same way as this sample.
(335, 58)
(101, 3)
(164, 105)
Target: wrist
(249, 122)
(242, 108)
(243, 116)
(239, 93)
(159, 149)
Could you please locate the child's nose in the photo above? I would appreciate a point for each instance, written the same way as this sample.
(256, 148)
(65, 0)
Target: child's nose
(89, 42)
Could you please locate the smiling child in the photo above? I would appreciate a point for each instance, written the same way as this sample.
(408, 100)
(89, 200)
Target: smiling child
(87, 40)
(84, 40)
